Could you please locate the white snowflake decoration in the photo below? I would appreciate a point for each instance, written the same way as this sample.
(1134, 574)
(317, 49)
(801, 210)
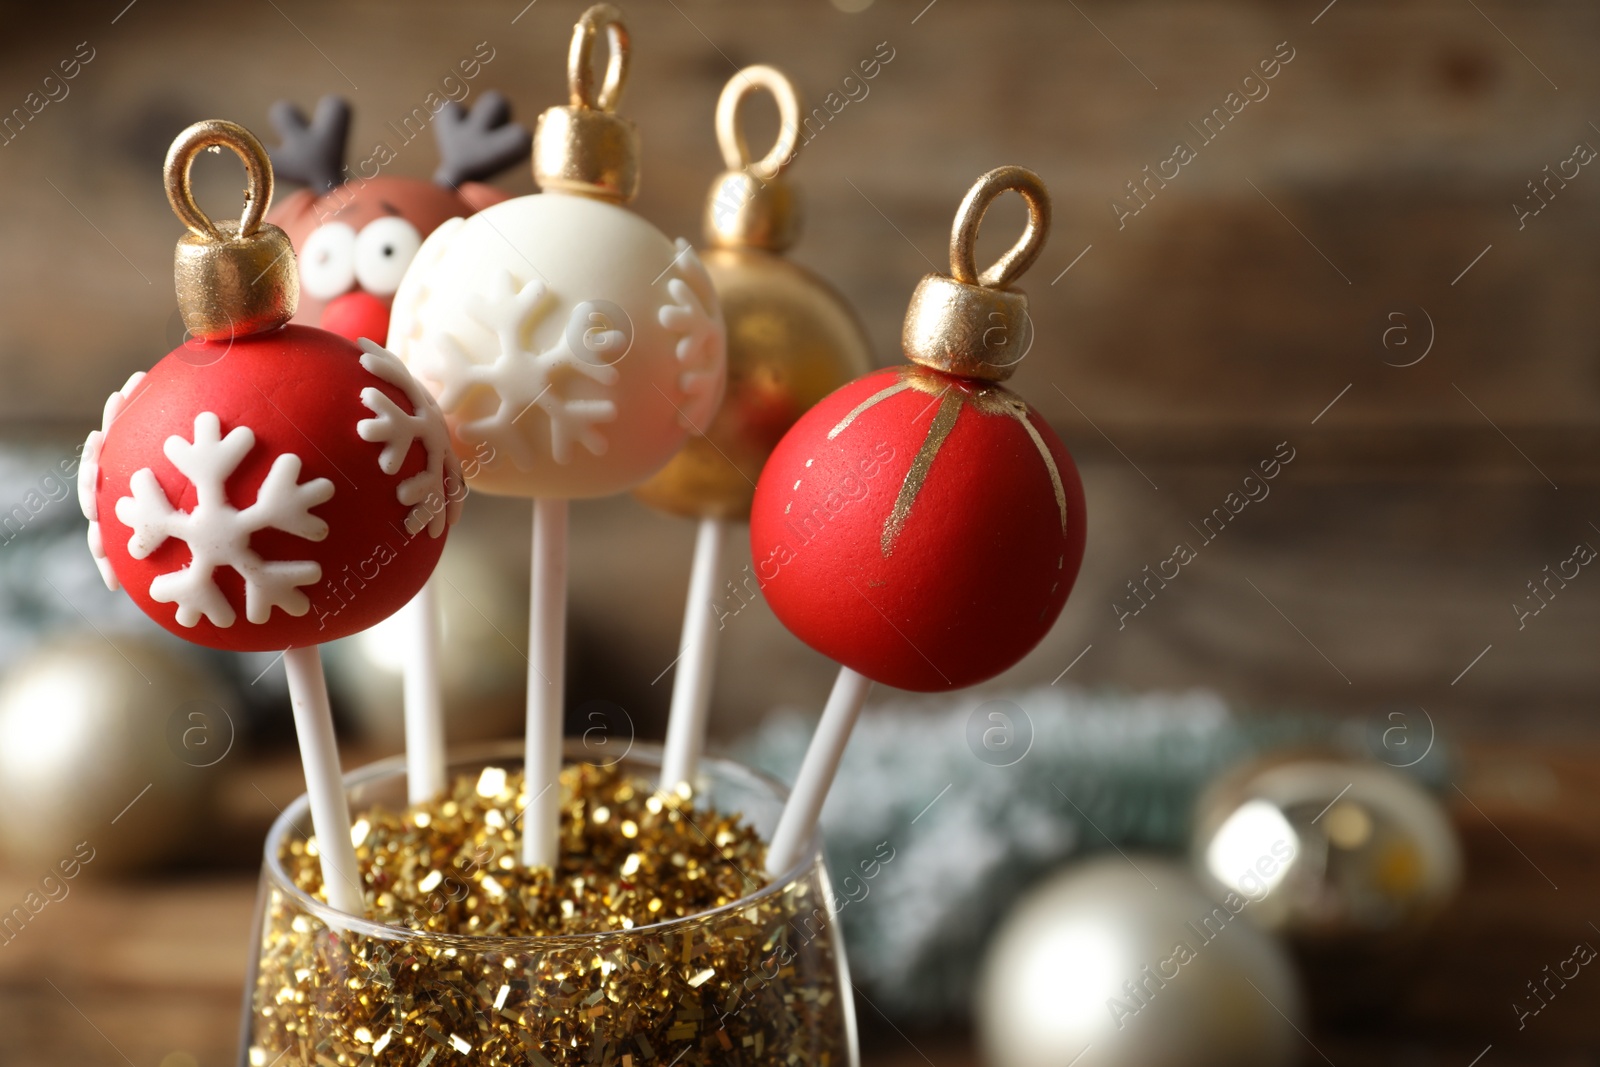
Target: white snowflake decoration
(427, 492)
(700, 348)
(218, 534)
(520, 378)
(89, 477)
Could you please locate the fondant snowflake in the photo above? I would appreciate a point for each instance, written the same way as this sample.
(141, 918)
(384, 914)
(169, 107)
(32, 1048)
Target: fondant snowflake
(218, 534)
(520, 377)
(89, 477)
(435, 506)
(701, 346)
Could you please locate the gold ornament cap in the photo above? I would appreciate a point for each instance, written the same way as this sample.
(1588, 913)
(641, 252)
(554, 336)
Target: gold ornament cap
(586, 148)
(971, 324)
(236, 276)
(750, 206)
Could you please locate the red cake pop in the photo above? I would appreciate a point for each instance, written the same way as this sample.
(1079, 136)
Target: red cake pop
(264, 486)
(268, 486)
(923, 525)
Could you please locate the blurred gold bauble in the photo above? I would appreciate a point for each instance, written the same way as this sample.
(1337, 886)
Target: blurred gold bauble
(483, 619)
(1328, 848)
(792, 338)
(791, 341)
(109, 746)
(1124, 962)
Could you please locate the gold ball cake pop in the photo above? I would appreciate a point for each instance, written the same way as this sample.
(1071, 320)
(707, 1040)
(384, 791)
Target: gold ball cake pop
(792, 338)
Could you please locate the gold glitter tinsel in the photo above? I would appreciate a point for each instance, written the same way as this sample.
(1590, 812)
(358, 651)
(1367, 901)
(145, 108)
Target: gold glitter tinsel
(657, 941)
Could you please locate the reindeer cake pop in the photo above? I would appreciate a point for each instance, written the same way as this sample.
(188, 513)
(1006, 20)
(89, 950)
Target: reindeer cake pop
(356, 233)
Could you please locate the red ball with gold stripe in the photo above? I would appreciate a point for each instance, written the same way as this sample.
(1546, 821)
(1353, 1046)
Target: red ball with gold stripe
(923, 525)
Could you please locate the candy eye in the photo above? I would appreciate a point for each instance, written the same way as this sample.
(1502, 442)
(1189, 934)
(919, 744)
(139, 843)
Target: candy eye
(328, 261)
(383, 252)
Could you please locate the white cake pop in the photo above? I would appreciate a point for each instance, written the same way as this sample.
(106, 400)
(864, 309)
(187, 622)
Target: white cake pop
(573, 349)
(572, 346)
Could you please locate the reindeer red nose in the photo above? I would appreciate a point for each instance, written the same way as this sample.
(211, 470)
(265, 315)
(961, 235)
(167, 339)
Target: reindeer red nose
(357, 314)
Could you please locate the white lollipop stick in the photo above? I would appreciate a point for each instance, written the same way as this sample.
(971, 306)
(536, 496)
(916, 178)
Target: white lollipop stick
(424, 701)
(319, 755)
(697, 662)
(547, 633)
(797, 826)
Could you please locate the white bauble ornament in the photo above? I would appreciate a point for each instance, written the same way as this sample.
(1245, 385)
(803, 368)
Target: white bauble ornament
(1124, 962)
(108, 745)
(1372, 853)
(572, 346)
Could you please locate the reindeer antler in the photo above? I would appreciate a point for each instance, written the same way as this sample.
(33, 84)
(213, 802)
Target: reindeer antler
(312, 153)
(478, 144)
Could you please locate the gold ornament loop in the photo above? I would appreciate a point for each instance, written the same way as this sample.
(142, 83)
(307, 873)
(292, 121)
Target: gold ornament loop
(585, 148)
(257, 169)
(969, 217)
(233, 276)
(730, 137)
(976, 325)
(580, 73)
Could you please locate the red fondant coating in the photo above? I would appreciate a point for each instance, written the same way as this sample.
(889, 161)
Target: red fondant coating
(357, 314)
(299, 390)
(982, 565)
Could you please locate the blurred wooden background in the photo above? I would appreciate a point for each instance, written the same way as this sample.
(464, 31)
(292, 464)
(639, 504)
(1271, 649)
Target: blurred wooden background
(1256, 299)
(1251, 292)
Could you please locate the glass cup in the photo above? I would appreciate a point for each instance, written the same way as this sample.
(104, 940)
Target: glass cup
(762, 980)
